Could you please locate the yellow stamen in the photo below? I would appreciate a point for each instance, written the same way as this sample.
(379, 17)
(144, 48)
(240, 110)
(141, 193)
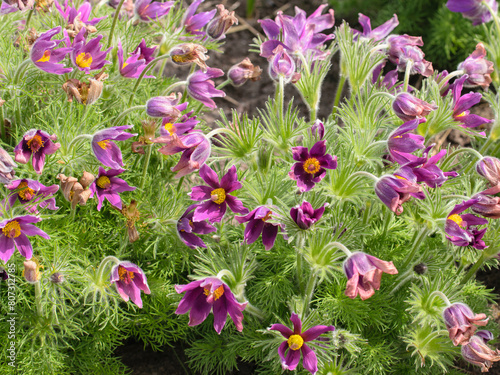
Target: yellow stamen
(187, 57)
(45, 57)
(103, 182)
(461, 114)
(25, 193)
(217, 293)
(103, 144)
(35, 143)
(401, 178)
(218, 195)
(124, 65)
(125, 275)
(311, 165)
(398, 136)
(12, 229)
(456, 218)
(84, 60)
(170, 128)
(295, 342)
(267, 217)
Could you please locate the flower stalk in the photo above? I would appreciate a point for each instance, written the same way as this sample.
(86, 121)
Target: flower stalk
(124, 114)
(475, 267)
(113, 25)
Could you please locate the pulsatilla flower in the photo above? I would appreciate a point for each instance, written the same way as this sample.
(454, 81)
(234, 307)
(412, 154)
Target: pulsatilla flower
(186, 228)
(477, 68)
(7, 166)
(85, 93)
(3, 274)
(486, 206)
(178, 125)
(310, 166)
(479, 353)
(426, 170)
(407, 107)
(10, 6)
(402, 140)
(364, 273)
(210, 294)
(87, 56)
(462, 103)
(201, 87)
(107, 186)
(282, 65)
(105, 150)
(489, 168)
(377, 33)
(188, 53)
(134, 65)
(404, 48)
(221, 23)
(129, 280)
(305, 215)
(78, 18)
(393, 191)
(474, 10)
(37, 143)
(257, 224)
(31, 271)
(46, 57)
(165, 106)
(14, 232)
(33, 194)
(148, 11)
(461, 229)
(318, 130)
(296, 344)
(244, 71)
(193, 23)
(460, 321)
(74, 190)
(216, 195)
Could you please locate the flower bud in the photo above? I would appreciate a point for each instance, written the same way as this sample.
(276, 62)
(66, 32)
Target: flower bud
(479, 353)
(7, 166)
(408, 107)
(318, 130)
(221, 23)
(31, 271)
(282, 65)
(477, 68)
(74, 191)
(163, 106)
(3, 274)
(244, 71)
(420, 269)
(460, 321)
(489, 168)
(188, 53)
(56, 278)
(487, 206)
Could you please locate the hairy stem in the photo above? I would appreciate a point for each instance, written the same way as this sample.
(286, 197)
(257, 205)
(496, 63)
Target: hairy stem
(472, 271)
(124, 114)
(299, 245)
(366, 174)
(311, 283)
(450, 157)
(441, 295)
(38, 298)
(338, 95)
(418, 239)
(409, 65)
(113, 25)
(102, 267)
(141, 76)
(146, 165)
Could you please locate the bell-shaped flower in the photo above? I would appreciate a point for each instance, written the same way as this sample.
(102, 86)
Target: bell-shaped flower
(149, 10)
(364, 273)
(3, 274)
(165, 106)
(13, 235)
(129, 280)
(397, 42)
(489, 168)
(460, 322)
(37, 143)
(244, 71)
(221, 23)
(75, 16)
(462, 230)
(477, 68)
(210, 294)
(31, 271)
(296, 345)
(257, 224)
(87, 56)
(133, 66)
(462, 104)
(305, 215)
(189, 53)
(377, 33)
(318, 130)
(32, 194)
(186, 229)
(107, 186)
(105, 150)
(393, 191)
(193, 23)
(201, 87)
(407, 107)
(7, 166)
(486, 206)
(46, 57)
(479, 353)
(474, 10)
(145, 53)
(282, 65)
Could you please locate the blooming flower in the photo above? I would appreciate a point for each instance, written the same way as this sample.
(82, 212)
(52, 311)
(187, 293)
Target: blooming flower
(478, 353)
(460, 320)
(46, 57)
(393, 191)
(216, 195)
(310, 166)
(305, 215)
(87, 56)
(105, 150)
(210, 294)
(221, 23)
(34, 193)
(461, 229)
(257, 224)
(145, 52)
(489, 168)
(107, 186)
(477, 68)
(129, 280)
(364, 273)
(474, 10)
(281, 65)
(178, 125)
(244, 71)
(188, 53)
(165, 106)
(461, 105)
(13, 235)
(7, 166)
(426, 170)
(81, 15)
(134, 65)
(407, 107)
(37, 143)
(194, 23)
(186, 228)
(401, 140)
(148, 11)
(295, 344)
(201, 87)
(379, 32)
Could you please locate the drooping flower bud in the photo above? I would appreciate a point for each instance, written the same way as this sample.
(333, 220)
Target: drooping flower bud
(479, 353)
(31, 271)
(407, 107)
(318, 130)
(3, 274)
(460, 321)
(486, 206)
(474, 10)
(282, 65)
(221, 23)
(477, 68)
(164, 106)
(57, 278)
(244, 71)
(489, 168)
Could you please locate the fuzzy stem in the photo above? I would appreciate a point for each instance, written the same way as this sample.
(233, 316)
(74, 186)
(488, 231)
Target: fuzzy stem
(299, 245)
(146, 165)
(174, 86)
(409, 65)
(486, 145)
(221, 130)
(340, 88)
(113, 25)
(124, 114)
(223, 84)
(311, 283)
(440, 294)
(416, 245)
(451, 196)
(344, 249)
(30, 14)
(405, 277)
(38, 298)
(20, 71)
(459, 151)
(141, 76)
(77, 138)
(281, 99)
(2, 124)
(494, 15)
(366, 174)
(473, 269)
(184, 94)
(255, 311)
(102, 267)
(450, 76)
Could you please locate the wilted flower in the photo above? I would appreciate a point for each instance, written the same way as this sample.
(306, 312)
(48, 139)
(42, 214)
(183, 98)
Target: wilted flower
(78, 18)
(14, 232)
(257, 224)
(105, 150)
(477, 68)
(133, 66)
(210, 294)
(7, 166)
(244, 71)
(461, 229)
(415, 56)
(474, 10)
(295, 343)
(149, 10)
(37, 143)
(489, 168)
(129, 280)
(31, 272)
(186, 228)
(461, 105)
(87, 56)
(460, 321)
(379, 32)
(34, 193)
(165, 106)
(364, 273)
(478, 353)
(188, 53)
(407, 107)
(46, 57)
(75, 191)
(486, 206)
(10, 6)
(85, 93)
(132, 214)
(201, 87)
(305, 215)
(393, 191)
(310, 166)
(107, 186)
(221, 23)
(194, 23)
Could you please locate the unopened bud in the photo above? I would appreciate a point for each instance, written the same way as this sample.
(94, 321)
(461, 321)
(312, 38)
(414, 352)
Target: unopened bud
(56, 278)
(244, 71)
(221, 23)
(3, 274)
(420, 268)
(31, 272)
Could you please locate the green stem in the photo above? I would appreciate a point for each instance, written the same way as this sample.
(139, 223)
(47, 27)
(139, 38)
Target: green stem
(255, 311)
(141, 76)
(224, 84)
(146, 164)
(450, 76)
(221, 130)
(77, 138)
(174, 86)
(179, 185)
(405, 277)
(486, 145)
(451, 196)
(2, 124)
(299, 245)
(409, 65)
(102, 267)
(474, 269)
(26, 26)
(281, 99)
(495, 17)
(38, 298)
(450, 157)
(418, 239)
(338, 95)
(366, 174)
(311, 283)
(340, 246)
(124, 114)
(113, 25)
(20, 71)
(441, 295)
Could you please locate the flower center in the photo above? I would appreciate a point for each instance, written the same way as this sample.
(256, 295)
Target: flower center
(25, 193)
(311, 165)
(400, 177)
(125, 275)
(45, 57)
(12, 229)
(456, 218)
(295, 342)
(84, 60)
(461, 114)
(124, 65)
(35, 143)
(103, 182)
(218, 195)
(267, 217)
(170, 128)
(216, 294)
(103, 144)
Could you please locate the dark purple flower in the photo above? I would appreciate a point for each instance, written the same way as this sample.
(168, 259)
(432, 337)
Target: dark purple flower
(477, 68)
(3, 274)
(145, 52)
(486, 206)
(33, 194)
(201, 87)
(474, 10)
(257, 224)
(461, 229)
(393, 191)
(244, 71)
(14, 232)
(129, 280)
(87, 56)
(221, 23)
(186, 228)
(46, 57)
(81, 15)
(165, 106)
(295, 344)
(216, 195)
(407, 107)
(378, 33)
(489, 168)
(107, 186)
(210, 294)
(149, 10)
(134, 65)
(194, 23)
(460, 321)
(37, 143)
(462, 103)
(426, 170)
(305, 215)
(318, 130)
(105, 150)
(478, 353)
(7, 166)
(188, 53)
(402, 140)
(310, 166)
(416, 56)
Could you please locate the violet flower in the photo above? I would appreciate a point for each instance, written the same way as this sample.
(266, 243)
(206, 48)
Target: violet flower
(105, 150)
(426, 170)
(7, 166)
(149, 10)
(461, 105)
(281, 65)
(404, 48)
(407, 107)
(461, 229)
(87, 56)
(221, 23)
(379, 32)
(305, 215)
(460, 321)
(402, 140)
(145, 53)
(37, 143)
(13, 235)
(486, 206)
(201, 87)
(133, 66)
(46, 57)
(186, 229)
(318, 130)
(364, 273)
(394, 191)
(81, 14)
(474, 10)
(11, 6)
(489, 168)
(178, 125)
(33, 194)
(210, 294)
(295, 344)
(243, 71)
(477, 68)
(194, 23)
(3, 274)
(478, 353)
(165, 106)
(216, 195)
(129, 280)
(310, 166)
(107, 186)
(257, 224)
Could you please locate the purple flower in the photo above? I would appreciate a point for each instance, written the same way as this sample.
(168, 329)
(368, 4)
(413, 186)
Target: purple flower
(178, 125)
(148, 11)
(461, 105)
(217, 194)
(461, 229)
(460, 320)
(478, 353)
(407, 107)
(3, 274)
(221, 23)
(474, 10)
(489, 168)
(426, 170)
(105, 150)
(107, 186)
(403, 141)
(393, 191)
(81, 15)
(186, 228)
(194, 23)
(46, 57)
(129, 280)
(416, 56)
(310, 166)
(10, 6)
(7, 166)
(87, 56)
(281, 65)
(364, 273)
(165, 106)
(305, 215)
(378, 33)
(201, 87)
(210, 294)
(14, 232)
(37, 143)
(477, 68)
(318, 130)
(295, 344)
(145, 53)
(486, 206)
(257, 224)
(134, 65)
(34, 193)
(244, 71)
